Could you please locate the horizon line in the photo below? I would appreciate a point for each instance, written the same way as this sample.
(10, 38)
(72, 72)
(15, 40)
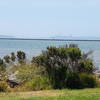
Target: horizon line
(48, 39)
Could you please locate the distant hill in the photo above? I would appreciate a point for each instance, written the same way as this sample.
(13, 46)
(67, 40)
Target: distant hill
(76, 37)
(54, 37)
(6, 36)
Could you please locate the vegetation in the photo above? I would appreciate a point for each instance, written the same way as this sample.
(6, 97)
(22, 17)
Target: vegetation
(88, 80)
(73, 81)
(21, 57)
(64, 64)
(32, 77)
(28, 72)
(38, 83)
(3, 87)
(55, 68)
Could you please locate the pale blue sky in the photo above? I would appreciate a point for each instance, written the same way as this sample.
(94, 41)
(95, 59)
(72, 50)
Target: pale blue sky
(46, 18)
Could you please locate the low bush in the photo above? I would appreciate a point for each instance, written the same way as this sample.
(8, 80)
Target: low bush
(79, 81)
(28, 72)
(88, 80)
(73, 81)
(3, 87)
(38, 83)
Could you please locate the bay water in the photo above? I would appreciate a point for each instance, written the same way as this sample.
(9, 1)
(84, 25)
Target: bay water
(35, 47)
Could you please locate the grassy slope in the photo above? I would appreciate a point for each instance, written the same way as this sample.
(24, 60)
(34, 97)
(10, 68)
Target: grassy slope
(86, 94)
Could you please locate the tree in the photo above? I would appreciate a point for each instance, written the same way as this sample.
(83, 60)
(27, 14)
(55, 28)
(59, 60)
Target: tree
(2, 70)
(7, 59)
(55, 62)
(2, 65)
(13, 57)
(86, 66)
(21, 57)
(60, 60)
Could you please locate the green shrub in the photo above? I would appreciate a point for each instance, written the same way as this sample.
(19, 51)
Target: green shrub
(73, 81)
(59, 60)
(86, 66)
(38, 83)
(3, 86)
(88, 80)
(78, 81)
(28, 72)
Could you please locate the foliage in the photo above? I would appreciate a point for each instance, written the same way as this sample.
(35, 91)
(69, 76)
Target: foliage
(7, 59)
(78, 81)
(21, 57)
(32, 77)
(60, 60)
(13, 56)
(3, 86)
(56, 67)
(88, 80)
(2, 65)
(2, 70)
(73, 81)
(74, 53)
(28, 72)
(37, 83)
(86, 66)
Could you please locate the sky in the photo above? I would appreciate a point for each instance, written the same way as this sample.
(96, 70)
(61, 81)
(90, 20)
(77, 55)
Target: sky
(48, 18)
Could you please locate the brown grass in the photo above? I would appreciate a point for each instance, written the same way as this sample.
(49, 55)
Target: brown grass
(52, 93)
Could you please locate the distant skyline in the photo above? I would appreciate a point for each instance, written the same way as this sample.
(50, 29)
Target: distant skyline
(49, 18)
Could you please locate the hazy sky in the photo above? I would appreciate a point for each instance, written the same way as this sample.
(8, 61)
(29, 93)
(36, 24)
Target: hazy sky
(42, 18)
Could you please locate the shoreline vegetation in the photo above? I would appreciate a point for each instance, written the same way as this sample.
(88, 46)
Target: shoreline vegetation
(65, 69)
(48, 39)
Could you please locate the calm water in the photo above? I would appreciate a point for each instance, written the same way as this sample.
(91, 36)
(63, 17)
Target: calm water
(34, 47)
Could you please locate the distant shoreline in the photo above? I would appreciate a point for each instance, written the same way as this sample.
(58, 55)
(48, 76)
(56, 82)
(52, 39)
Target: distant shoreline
(48, 39)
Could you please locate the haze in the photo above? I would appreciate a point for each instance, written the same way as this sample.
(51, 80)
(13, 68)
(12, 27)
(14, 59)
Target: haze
(48, 18)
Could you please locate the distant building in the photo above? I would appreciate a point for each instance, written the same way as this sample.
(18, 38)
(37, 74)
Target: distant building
(97, 73)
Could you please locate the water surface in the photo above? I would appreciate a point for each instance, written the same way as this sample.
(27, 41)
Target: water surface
(34, 47)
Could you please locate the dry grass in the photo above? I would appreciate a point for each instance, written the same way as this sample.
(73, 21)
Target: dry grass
(65, 92)
(85, 94)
